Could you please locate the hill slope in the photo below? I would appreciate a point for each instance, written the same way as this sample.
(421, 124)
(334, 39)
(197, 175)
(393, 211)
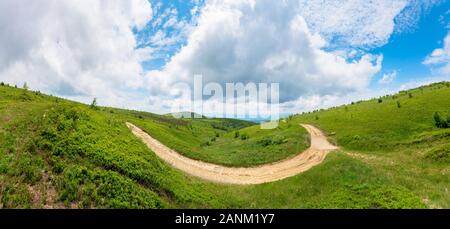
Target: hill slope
(57, 153)
(398, 134)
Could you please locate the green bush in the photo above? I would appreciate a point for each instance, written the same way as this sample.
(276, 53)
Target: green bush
(30, 168)
(244, 136)
(279, 140)
(439, 121)
(265, 142)
(105, 189)
(276, 141)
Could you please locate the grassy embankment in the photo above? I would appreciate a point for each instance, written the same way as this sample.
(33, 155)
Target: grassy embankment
(58, 153)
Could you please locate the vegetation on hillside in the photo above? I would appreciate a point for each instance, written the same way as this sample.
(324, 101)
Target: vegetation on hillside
(58, 153)
(409, 143)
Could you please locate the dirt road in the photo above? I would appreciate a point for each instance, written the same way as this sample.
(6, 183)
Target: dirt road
(314, 155)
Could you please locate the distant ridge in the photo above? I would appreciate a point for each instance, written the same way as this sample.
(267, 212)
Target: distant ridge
(186, 114)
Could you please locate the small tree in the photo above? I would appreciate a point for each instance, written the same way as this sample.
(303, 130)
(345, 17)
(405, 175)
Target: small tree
(25, 86)
(3, 84)
(236, 134)
(410, 95)
(94, 104)
(399, 105)
(380, 100)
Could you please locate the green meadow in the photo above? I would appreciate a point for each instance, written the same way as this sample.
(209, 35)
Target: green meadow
(56, 153)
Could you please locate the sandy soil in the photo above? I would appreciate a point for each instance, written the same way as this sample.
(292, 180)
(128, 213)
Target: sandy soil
(314, 155)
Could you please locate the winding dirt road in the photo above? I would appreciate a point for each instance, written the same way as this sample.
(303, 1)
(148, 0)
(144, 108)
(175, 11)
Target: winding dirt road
(314, 155)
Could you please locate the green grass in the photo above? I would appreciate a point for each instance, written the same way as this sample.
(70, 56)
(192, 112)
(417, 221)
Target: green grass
(371, 125)
(55, 152)
(403, 142)
(204, 139)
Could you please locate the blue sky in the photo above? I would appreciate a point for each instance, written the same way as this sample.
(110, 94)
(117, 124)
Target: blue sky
(164, 11)
(406, 51)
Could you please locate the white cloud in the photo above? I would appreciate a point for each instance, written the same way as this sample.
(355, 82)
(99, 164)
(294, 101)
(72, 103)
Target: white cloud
(269, 41)
(354, 23)
(440, 57)
(387, 78)
(77, 49)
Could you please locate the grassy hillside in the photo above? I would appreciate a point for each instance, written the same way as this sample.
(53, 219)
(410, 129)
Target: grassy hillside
(221, 141)
(58, 153)
(397, 134)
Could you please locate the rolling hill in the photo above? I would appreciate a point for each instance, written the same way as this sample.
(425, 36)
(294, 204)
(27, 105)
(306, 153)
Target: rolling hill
(56, 153)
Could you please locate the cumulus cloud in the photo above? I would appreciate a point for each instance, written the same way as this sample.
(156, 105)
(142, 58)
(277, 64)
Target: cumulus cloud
(283, 42)
(387, 78)
(76, 49)
(440, 57)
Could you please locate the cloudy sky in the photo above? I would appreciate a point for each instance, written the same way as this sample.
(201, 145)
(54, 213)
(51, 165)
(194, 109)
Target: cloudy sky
(130, 53)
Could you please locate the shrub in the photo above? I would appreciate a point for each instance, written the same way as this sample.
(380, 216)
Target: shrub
(380, 100)
(279, 140)
(265, 142)
(268, 141)
(317, 117)
(399, 105)
(25, 97)
(236, 134)
(439, 121)
(2, 84)
(244, 136)
(30, 146)
(29, 167)
(410, 95)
